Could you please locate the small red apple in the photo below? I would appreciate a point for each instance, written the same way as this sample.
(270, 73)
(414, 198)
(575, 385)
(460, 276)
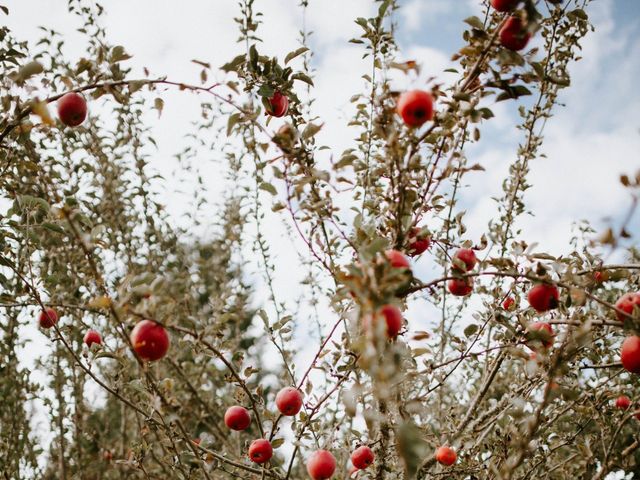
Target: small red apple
(47, 318)
(289, 401)
(72, 109)
(623, 402)
(392, 317)
(92, 337)
(630, 354)
(627, 303)
(446, 456)
(599, 276)
(418, 243)
(260, 451)
(362, 457)
(543, 297)
(415, 107)
(464, 260)
(150, 340)
(504, 5)
(514, 35)
(508, 303)
(460, 287)
(237, 418)
(278, 105)
(544, 332)
(397, 259)
(321, 465)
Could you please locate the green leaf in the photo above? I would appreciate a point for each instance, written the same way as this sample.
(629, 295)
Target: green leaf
(310, 130)
(53, 227)
(470, 330)
(267, 187)
(303, 77)
(28, 201)
(233, 120)
(475, 22)
(27, 70)
(277, 442)
(158, 104)
(291, 55)
(118, 54)
(233, 65)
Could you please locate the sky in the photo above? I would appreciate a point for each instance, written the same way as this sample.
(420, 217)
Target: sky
(591, 140)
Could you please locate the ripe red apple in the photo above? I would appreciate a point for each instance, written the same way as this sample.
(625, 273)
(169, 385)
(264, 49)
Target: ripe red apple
(508, 303)
(460, 287)
(92, 337)
(514, 35)
(446, 456)
(397, 259)
(321, 465)
(362, 457)
(150, 340)
(47, 318)
(623, 402)
(627, 303)
(630, 354)
(464, 260)
(289, 401)
(543, 330)
(260, 451)
(600, 277)
(504, 5)
(72, 109)
(237, 418)
(418, 243)
(392, 317)
(278, 105)
(543, 297)
(415, 107)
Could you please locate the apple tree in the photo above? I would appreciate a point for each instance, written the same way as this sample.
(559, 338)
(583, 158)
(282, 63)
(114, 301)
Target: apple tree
(164, 358)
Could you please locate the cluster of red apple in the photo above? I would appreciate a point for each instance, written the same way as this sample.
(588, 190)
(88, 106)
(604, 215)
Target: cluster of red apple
(149, 339)
(321, 464)
(72, 107)
(514, 34)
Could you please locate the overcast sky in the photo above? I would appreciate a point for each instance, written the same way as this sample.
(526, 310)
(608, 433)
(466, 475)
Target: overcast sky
(590, 141)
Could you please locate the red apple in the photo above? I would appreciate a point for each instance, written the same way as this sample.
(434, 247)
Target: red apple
(278, 105)
(464, 260)
(543, 297)
(623, 402)
(321, 465)
(460, 287)
(600, 277)
(392, 317)
(508, 303)
(544, 332)
(418, 243)
(446, 456)
(514, 35)
(397, 259)
(415, 107)
(260, 451)
(72, 109)
(237, 418)
(150, 340)
(630, 354)
(362, 457)
(92, 337)
(289, 401)
(47, 318)
(504, 5)
(627, 303)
